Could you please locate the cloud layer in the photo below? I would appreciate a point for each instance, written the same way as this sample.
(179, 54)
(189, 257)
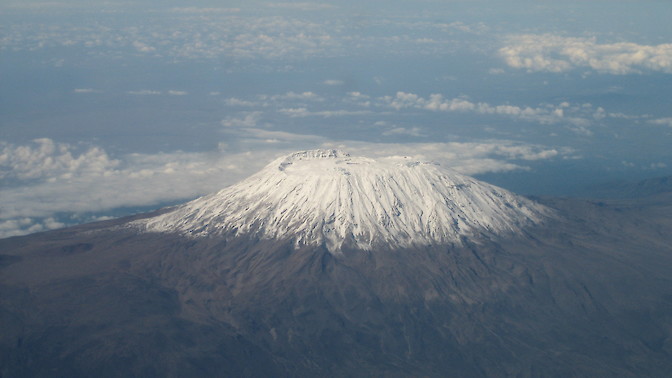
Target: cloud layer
(46, 160)
(279, 30)
(577, 116)
(552, 53)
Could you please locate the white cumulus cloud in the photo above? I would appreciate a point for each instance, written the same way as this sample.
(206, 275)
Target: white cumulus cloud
(45, 182)
(45, 159)
(552, 53)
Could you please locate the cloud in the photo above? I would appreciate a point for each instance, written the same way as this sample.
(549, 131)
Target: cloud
(296, 112)
(657, 165)
(40, 5)
(14, 227)
(260, 137)
(296, 99)
(304, 6)
(249, 120)
(214, 33)
(233, 101)
(333, 82)
(143, 47)
(150, 92)
(413, 131)
(577, 116)
(469, 158)
(144, 92)
(86, 90)
(552, 53)
(358, 98)
(43, 159)
(195, 10)
(478, 28)
(293, 96)
(358, 95)
(194, 34)
(304, 112)
(266, 100)
(662, 121)
(48, 184)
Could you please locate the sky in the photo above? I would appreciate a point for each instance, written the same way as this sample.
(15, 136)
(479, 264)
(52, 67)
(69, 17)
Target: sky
(109, 107)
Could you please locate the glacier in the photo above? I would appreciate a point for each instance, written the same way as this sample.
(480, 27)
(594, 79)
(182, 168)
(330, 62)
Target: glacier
(327, 197)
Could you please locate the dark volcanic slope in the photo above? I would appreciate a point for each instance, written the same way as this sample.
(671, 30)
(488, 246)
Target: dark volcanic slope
(588, 295)
(639, 189)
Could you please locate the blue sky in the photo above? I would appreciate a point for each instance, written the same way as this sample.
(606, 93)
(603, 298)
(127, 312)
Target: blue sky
(112, 107)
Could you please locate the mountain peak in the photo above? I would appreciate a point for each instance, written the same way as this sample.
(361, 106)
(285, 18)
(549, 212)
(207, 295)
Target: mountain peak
(329, 197)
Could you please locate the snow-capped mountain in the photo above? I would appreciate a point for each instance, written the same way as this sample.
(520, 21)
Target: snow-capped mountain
(585, 292)
(329, 197)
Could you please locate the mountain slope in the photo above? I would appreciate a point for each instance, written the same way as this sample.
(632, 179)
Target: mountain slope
(625, 189)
